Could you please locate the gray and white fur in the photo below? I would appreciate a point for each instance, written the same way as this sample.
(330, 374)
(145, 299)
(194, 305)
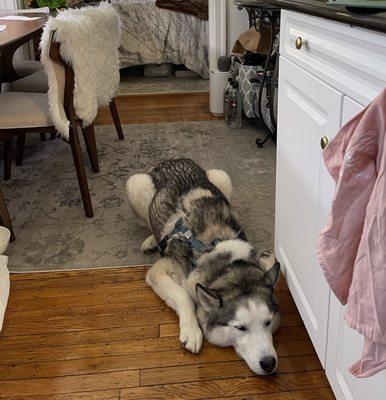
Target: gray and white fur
(227, 294)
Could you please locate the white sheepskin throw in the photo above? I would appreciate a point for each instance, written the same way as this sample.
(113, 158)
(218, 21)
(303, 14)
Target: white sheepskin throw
(89, 40)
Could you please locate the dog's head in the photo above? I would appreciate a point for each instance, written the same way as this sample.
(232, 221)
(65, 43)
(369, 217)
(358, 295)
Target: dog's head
(245, 322)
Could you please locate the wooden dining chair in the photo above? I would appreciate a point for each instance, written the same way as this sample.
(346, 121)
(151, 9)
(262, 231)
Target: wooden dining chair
(62, 106)
(29, 112)
(5, 219)
(38, 83)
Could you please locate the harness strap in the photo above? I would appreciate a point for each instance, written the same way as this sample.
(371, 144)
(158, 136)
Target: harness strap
(188, 235)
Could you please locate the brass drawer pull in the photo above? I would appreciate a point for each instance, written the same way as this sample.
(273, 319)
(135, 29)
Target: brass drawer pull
(323, 142)
(299, 43)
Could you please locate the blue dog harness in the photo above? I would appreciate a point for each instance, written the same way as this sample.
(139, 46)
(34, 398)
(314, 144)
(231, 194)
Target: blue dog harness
(187, 235)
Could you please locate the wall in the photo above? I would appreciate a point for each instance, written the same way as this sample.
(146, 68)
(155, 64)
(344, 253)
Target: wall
(217, 31)
(237, 23)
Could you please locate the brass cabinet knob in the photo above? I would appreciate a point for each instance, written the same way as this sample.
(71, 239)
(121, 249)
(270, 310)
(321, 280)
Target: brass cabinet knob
(299, 43)
(323, 142)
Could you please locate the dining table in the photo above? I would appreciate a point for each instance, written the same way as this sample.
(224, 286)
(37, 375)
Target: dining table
(15, 34)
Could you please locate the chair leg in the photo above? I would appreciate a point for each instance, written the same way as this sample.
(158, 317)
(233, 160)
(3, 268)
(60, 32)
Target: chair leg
(43, 137)
(4, 216)
(53, 135)
(80, 171)
(89, 139)
(117, 121)
(7, 159)
(20, 143)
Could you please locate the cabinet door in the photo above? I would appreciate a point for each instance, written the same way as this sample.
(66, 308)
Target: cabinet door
(308, 110)
(344, 343)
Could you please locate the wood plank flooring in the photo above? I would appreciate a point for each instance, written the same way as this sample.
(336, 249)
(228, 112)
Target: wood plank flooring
(104, 335)
(159, 107)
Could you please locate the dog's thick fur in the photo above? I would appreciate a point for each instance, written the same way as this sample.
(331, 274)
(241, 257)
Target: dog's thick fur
(228, 293)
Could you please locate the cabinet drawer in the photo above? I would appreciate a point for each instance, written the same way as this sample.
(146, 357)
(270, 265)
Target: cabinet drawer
(351, 59)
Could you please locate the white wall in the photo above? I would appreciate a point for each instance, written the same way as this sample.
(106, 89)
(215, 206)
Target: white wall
(217, 31)
(237, 23)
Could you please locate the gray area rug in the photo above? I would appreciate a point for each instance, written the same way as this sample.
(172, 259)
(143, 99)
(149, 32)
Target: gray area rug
(171, 84)
(51, 228)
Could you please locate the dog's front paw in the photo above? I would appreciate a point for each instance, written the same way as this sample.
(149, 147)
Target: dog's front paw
(150, 244)
(180, 248)
(267, 259)
(191, 337)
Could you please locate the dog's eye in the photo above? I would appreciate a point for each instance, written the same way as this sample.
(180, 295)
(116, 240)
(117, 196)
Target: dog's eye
(240, 328)
(267, 323)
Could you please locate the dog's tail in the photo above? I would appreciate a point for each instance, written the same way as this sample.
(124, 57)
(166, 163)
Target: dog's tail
(140, 191)
(221, 180)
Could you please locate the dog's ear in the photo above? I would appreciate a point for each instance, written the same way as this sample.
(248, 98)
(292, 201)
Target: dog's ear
(272, 276)
(208, 298)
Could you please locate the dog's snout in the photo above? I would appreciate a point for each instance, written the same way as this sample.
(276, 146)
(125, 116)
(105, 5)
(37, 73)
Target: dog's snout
(268, 364)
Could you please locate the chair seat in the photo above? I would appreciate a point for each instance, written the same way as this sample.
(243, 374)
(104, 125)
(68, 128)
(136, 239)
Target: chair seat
(35, 83)
(27, 67)
(24, 110)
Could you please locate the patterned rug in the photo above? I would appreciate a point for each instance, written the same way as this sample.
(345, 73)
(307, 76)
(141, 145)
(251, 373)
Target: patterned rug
(43, 197)
(163, 85)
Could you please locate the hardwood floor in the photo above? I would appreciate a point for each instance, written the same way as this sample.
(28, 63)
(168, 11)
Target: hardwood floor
(159, 107)
(103, 334)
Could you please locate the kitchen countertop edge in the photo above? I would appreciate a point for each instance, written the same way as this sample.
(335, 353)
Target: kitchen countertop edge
(321, 9)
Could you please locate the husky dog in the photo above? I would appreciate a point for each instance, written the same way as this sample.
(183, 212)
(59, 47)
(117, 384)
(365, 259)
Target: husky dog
(209, 273)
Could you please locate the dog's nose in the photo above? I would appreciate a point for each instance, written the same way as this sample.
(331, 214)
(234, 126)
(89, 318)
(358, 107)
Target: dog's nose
(268, 364)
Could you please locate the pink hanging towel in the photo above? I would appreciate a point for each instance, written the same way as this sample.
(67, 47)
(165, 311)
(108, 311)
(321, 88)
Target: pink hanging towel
(352, 246)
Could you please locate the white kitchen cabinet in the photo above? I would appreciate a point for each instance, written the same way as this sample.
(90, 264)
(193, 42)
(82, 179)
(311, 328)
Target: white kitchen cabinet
(308, 110)
(337, 70)
(344, 348)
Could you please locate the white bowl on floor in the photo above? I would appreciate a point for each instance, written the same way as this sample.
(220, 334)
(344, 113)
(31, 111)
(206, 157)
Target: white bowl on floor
(5, 235)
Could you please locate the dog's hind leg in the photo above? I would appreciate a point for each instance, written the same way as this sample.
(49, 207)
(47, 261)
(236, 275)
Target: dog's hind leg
(140, 192)
(164, 277)
(221, 180)
(267, 259)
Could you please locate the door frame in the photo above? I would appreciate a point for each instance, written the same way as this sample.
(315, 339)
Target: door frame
(217, 36)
